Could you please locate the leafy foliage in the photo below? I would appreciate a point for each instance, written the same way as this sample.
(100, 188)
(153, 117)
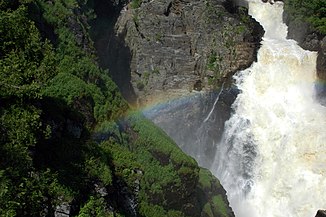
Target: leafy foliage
(45, 157)
(95, 207)
(157, 152)
(313, 11)
(26, 62)
(57, 12)
(135, 3)
(219, 206)
(62, 128)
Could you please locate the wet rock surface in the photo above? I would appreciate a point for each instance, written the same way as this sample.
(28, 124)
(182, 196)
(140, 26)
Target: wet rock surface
(321, 213)
(321, 60)
(188, 122)
(62, 210)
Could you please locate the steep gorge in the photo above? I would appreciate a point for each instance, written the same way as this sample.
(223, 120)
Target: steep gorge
(260, 178)
(177, 55)
(71, 145)
(271, 149)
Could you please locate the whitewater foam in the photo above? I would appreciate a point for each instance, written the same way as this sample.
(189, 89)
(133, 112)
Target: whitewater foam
(272, 159)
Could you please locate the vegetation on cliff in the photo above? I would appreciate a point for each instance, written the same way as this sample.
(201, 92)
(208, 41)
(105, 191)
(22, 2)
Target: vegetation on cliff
(67, 145)
(313, 11)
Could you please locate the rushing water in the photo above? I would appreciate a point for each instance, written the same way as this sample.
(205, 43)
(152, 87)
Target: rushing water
(272, 159)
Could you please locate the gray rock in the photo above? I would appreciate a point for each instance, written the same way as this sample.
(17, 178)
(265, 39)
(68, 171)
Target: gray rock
(176, 44)
(101, 190)
(185, 121)
(311, 42)
(321, 213)
(321, 60)
(298, 30)
(62, 210)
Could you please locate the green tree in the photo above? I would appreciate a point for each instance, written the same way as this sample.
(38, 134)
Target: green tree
(312, 11)
(26, 62)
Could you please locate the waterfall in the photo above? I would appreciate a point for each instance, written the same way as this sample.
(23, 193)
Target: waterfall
(272, 157)
(215, 102)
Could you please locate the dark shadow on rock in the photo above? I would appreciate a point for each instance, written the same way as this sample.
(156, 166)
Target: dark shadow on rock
(46, 30)
(321, 213)
(62, 151)
(112, 51)
(66, 151)
(232, 5)
(320, 88)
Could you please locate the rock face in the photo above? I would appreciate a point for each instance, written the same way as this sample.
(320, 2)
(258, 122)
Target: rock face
(62, 210)
(180, 45)
(189, 122)
(321, 213)
(321, 59)
(167, 50)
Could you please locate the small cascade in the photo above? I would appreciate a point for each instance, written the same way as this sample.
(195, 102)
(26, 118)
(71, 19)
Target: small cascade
(215, 102)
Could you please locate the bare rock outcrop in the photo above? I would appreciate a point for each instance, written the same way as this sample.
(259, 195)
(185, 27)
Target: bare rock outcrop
(179, 46)
(321, 213)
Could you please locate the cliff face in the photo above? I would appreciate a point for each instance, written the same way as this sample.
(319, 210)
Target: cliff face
(162, 50)
(158, 50)
(188, 122)
(179, 46)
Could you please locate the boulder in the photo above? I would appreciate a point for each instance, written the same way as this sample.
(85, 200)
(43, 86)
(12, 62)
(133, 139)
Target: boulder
(321, 213)
(62, 210)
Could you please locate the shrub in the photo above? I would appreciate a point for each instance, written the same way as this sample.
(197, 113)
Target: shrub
(313, 11)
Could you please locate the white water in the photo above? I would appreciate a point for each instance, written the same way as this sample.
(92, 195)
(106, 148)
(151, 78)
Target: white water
(272, 160)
